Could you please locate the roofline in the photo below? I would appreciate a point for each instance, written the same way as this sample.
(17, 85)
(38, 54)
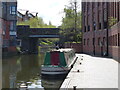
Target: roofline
(20, 13)
(8, 0)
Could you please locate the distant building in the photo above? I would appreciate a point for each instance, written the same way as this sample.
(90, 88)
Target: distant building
(8, 19)
(25, 16)
(98, 37)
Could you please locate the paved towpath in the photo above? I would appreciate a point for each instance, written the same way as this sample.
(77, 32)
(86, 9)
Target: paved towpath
(93, 72)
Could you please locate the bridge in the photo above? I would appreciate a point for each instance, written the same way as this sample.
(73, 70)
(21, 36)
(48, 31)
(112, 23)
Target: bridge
(29, 36)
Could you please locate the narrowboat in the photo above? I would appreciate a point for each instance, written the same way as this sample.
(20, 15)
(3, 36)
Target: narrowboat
(58, 62)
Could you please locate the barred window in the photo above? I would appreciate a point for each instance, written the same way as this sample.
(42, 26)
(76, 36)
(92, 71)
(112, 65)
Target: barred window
(13, 10)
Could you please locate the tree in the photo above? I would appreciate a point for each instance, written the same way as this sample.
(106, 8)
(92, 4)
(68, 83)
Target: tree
(112, 21)
(36, 22)
(71, 23)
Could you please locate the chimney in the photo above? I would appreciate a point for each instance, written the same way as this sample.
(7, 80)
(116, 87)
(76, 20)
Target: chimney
(36, 14)
(26, 12)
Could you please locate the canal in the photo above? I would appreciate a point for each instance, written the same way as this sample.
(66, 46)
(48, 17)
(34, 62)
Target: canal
(25, 70)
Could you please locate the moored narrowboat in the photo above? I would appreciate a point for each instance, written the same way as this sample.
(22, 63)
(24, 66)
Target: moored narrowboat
(58, 62)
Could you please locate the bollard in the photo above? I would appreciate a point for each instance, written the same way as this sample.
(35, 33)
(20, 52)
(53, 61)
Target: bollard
(74, 87)
(78, 71)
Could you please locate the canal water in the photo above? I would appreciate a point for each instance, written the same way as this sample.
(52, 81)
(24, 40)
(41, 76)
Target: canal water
(25, 70)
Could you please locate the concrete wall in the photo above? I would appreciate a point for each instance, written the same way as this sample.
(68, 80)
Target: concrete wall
(76, 46)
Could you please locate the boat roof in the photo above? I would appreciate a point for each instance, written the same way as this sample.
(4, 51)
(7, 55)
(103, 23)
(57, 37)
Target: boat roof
(62, 50)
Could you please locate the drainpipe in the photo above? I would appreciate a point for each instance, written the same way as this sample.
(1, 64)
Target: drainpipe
(107, 52)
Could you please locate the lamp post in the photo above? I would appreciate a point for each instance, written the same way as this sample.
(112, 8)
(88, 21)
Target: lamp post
(107, 52)
(75, 3)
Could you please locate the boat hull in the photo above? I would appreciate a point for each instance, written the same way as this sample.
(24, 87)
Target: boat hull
(54, 70)
(58, 62)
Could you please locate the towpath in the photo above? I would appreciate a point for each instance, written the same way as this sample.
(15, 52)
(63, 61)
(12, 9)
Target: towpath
(92, 72)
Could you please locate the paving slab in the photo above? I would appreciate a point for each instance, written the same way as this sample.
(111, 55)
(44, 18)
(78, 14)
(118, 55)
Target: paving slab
(92, 72)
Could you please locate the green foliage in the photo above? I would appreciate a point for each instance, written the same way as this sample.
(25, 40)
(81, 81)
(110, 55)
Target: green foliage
(48, 41)
(112, 21)
(36, 22)
(68, 22)
(71, 25)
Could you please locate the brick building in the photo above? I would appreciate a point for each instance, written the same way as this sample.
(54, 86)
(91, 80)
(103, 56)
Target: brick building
(8, 19)
(100, 28)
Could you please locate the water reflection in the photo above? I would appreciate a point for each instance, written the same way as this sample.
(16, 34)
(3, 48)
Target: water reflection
(10, 68)
(20, 69)
(52, 83)
(24, 71)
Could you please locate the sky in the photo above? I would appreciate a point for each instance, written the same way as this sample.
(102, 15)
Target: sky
(49, 10)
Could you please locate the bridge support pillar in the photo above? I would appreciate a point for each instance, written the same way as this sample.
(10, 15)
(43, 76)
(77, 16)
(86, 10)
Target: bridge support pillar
(25, 45)
(33, 45)
(30, 45)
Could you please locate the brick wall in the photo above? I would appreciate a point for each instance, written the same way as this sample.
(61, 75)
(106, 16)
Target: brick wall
(76, 46)
(114, 41)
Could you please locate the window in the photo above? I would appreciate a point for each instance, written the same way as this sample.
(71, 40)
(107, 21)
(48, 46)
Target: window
(93, 41)
(116, 43)
(99, 41)
(94, 25)
(105, 24)
(109, 40)
(99, 25)
(99, 16)
(88, 27)
(84, 41)
(98, 4)
(88, 41)
(13, 10)
(12, 26)
(18, 42)
(85, 29)
(93, 4)
(88, 7)
(104, 41)
(84, 8)
(118, 39)
(105, 14)
(113, 40)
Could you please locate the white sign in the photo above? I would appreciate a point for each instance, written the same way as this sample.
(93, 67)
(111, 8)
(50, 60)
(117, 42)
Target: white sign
(12, 33)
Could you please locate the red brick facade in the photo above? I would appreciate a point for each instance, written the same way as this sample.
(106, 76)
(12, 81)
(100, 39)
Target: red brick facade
(96, 30)
(8, 25)
(76, 46)
(114, 41)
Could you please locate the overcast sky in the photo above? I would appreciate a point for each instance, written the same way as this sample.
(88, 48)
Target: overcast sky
(49, 10)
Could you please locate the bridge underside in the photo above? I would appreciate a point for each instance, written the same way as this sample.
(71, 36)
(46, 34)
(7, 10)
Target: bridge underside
(31, 44)
(44, 36)
(29, 36)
